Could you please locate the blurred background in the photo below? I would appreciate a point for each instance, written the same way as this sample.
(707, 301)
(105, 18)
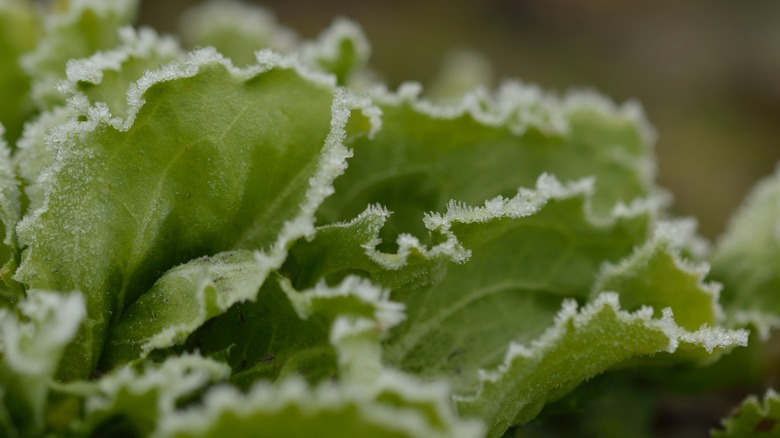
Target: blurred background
(706, 71)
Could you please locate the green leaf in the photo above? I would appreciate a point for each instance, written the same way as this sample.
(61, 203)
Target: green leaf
(394, 406)
(657, 275)
(182, 301)
(104, 77)
(276, 331)
(426, 155)
(606, 407)
(34, 154)
(20, 28)
(238, 30)
(73, 29)
(108, 75)
(123, 204)
(166, 203)
(342, 50)
(462, 72)
(235, 29)
(655, 281)
(747, 260)
(346, 248)
(134, 402)
(318, 333)
(10, 214)
(527, 254)
(31, 345)
(753, 418)
(286, 333)
(581, 344)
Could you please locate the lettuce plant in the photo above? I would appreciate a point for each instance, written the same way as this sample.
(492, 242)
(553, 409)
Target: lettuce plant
(241, 233)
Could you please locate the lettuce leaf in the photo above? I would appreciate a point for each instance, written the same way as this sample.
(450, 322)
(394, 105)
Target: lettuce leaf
(72, 29)
(258, 237)
(457, 324)
(394, 407)
(119, 177)
(20, 28)
(235, 29)
(323, 333)
(134, 402)
(746, 259)
(31, 344)
(10, 214)
(753, 418)
(426, 155)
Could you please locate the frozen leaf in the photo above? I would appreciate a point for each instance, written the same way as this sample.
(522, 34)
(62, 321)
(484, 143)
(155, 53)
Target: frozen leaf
(499, 275)
(73, 29)
(461, 73)
(426, 155)
(320, 333)
(747, 259)
(525, 256)
(20, 29)
(657, 275)
(754, 418)
(341, 50)
(10, 214)
(580, 345)
(182, 301)
(31, 346)
(123, 203)
(236, 29)
(107, 75)
(34, 153)
(134, 402)
(393, 406)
